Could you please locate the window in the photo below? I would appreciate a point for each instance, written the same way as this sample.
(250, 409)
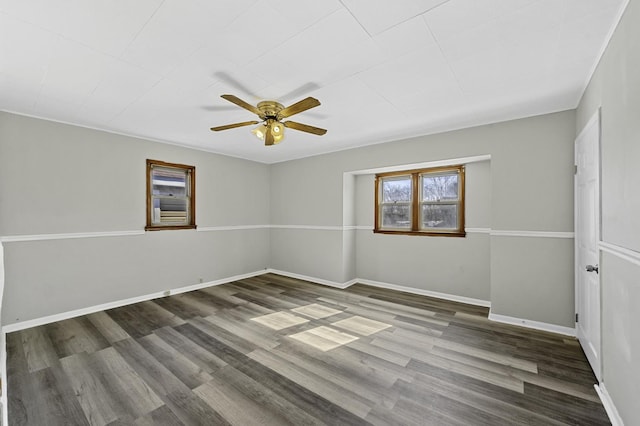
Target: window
(170, 196)
(421, 202)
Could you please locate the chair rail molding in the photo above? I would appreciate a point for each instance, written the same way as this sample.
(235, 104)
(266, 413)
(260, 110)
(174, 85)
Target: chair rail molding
(621, 252)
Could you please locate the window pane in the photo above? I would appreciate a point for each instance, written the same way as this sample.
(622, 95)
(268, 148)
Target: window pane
(396, 189)
(440, 187)
(440, 216)
(168, 181)
(396, 216)
(171, 195)
(170, 211)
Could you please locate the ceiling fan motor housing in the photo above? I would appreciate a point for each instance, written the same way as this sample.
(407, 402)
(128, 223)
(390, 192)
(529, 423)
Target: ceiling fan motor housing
(270, 109)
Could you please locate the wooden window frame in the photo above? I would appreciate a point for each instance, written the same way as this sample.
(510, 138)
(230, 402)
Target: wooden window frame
(417, 202)
(191, 194)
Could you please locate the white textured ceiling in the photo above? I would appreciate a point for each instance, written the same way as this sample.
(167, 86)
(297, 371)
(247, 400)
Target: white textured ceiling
(383, 70)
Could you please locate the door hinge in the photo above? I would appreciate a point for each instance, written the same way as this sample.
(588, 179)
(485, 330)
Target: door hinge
(575, 169)
(576, 317)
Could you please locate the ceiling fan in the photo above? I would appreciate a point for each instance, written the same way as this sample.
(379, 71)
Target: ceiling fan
(271, 114)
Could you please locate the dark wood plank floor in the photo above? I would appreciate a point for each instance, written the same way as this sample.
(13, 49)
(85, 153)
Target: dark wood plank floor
(272, 350)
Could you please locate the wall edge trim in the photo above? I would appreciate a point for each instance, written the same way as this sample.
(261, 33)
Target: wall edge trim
(100, 234)
(67, 236)
(123, 302)
(428, 293)
(315, 280)
(230, 228)
(312, 227)
(477, 230)
(129, 135)
(536, 325)
(150, 296)
(603, 48)
(621, 252)
(535, 234)
(608, 404)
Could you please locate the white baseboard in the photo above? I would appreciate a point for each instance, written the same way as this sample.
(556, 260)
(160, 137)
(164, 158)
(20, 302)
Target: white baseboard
(608, 404)
(435, 294)
(312, 279)
(412, 290)
(118, 303)
(451, 297)
(613, 414)
(568, 331)
(388, 286)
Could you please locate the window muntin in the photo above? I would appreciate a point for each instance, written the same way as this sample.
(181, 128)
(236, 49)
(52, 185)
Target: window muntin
(421, 202)
(170, 196)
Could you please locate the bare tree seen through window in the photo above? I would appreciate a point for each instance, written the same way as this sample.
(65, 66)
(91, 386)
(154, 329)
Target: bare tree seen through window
(421, 202)
(439, 201)
(396, 202)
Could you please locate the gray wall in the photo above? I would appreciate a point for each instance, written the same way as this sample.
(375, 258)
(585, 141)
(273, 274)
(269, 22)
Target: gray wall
(530, 189)
(456, 266)
(615, 87)
(56, 178)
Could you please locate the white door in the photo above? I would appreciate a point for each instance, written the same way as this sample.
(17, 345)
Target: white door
(587, 235)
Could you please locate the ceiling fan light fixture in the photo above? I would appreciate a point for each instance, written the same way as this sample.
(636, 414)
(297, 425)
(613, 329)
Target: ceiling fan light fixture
(277, 128)
(277, 131)
(260, 132)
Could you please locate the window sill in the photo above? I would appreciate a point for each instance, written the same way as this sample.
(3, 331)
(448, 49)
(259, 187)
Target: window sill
(168, 227)
(422, 233)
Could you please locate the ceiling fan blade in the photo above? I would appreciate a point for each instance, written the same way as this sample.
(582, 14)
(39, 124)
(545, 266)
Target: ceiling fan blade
(233, 126)
(236, 100)
(298, 107)
(268, 136)
(304, 128)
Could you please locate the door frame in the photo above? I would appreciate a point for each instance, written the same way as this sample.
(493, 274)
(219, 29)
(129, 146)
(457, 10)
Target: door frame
(596, 119)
